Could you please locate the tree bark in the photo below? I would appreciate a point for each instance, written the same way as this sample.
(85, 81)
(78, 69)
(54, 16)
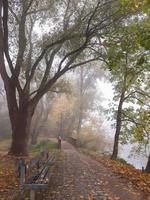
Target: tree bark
(147, 169)
(118, 127)
(20, 134)
(20, 123)
(19, 139)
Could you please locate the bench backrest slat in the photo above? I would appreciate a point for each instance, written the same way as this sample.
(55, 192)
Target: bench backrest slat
(37, 161)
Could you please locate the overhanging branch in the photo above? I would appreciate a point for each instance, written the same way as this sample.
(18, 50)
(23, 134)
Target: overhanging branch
(40, 57)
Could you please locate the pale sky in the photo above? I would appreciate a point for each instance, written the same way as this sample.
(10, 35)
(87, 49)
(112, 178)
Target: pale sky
(106, 90)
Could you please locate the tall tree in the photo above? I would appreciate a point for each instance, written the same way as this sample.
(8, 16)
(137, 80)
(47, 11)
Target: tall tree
(130, 56)
(86, 92)
(51, 38)
(136, 118)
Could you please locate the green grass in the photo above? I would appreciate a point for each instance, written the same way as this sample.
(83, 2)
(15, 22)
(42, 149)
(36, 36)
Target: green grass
(41, 145)
(33, 149)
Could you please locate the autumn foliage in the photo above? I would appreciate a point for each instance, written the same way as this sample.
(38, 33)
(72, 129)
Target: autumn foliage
(134, 176)
(8, 178)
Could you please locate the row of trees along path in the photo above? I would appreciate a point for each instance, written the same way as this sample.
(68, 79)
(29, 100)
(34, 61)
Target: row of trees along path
(77, 176)
(42, 42)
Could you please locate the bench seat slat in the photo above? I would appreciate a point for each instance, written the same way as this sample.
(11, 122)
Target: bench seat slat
(45, 171)
(35, 186)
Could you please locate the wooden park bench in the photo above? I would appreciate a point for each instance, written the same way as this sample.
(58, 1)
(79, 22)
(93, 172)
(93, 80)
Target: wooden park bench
(36, 173)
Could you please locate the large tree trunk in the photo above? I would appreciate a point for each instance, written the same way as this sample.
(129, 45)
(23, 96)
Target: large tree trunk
(147, 169)
(118, 127)
(20, 135)
(20, 117)
(20, 131)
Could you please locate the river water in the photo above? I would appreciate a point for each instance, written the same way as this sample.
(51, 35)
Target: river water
(138, 161)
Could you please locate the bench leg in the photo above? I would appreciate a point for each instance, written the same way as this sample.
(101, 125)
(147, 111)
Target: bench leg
(32, 194)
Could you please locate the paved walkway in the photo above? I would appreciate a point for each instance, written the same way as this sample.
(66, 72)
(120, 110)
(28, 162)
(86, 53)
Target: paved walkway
(78, 177)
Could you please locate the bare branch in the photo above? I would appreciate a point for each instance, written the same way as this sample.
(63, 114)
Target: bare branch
(28, 6)
(37, 11)
(143, 93)
(40, 57)
(14, 14)
(6, 47)
(21, 42)
(29, 57)
(76, 51)
(91, 17)
(49, 65)
(5, 29)
(83, 63)
(138, 92)
(2, 63)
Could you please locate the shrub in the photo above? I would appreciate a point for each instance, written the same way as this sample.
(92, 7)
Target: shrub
(121, 160)
(42, 145)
